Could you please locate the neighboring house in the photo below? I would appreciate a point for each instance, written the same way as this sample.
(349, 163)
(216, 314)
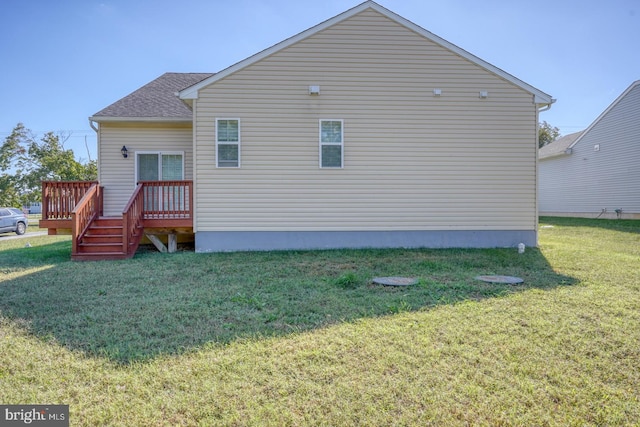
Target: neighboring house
(33, 208)
(363, 131)
(596, 173)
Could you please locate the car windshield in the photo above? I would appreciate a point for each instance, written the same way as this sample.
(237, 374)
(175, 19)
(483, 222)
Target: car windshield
(16, 211)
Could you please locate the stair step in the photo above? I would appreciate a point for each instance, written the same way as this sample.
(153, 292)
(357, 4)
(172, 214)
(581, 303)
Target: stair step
(107, 222)
(102, 238)
(103, 241)
(99, 247)
(104, 230)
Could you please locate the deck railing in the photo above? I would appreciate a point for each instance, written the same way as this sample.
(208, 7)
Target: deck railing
(168, 199)
(60, 198)
(132, 220)
(86, 210)
(158, 205)
(154, 204)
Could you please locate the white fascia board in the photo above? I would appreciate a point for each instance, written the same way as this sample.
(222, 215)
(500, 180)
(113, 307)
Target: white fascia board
(540, 97)
(540, 100)
(101, 119)
(554, 155)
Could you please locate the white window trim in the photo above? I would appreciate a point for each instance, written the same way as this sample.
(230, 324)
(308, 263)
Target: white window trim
(160, 154)
(341, 144)
(227, 143)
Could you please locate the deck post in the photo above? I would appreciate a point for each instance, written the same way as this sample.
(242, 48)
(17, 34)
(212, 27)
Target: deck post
(172, 243)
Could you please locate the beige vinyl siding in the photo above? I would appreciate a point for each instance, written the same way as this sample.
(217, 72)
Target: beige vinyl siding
(117, 175)
(412, 161)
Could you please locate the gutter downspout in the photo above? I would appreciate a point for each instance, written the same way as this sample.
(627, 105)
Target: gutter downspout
(547, 106)
(97, 130)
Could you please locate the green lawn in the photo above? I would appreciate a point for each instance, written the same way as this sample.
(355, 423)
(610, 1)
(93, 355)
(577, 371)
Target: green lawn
(34, 223)
(304, 338)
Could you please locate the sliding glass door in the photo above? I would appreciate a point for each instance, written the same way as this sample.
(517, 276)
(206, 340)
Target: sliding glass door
(161, 166)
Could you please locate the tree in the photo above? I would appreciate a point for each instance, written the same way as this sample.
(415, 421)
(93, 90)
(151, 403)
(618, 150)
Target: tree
(547, 134)
(25, 162)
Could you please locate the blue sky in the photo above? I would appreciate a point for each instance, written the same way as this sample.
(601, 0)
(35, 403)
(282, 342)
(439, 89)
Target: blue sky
(64, 60)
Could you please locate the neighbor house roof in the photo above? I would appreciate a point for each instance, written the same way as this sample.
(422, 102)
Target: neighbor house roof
(155, 101)
(539, 97)
(559, 146)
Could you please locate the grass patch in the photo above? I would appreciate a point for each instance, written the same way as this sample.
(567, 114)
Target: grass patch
(156, 304)
(348, 280)
(304, 338)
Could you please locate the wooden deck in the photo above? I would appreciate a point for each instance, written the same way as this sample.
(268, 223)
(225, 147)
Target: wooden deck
(154, 208)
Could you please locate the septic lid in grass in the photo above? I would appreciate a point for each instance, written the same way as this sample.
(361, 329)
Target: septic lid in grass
(395, 281)
(510, 280)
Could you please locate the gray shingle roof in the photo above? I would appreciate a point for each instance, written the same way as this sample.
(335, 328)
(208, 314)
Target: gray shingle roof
(558, 146)
(156, 99)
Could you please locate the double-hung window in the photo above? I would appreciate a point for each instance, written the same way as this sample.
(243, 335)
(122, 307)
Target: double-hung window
(331, 143)
(228, 143)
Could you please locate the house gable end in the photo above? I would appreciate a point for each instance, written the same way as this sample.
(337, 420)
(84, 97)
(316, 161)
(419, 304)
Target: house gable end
(539, 97)
(566, 144)
(605, 113)
(401, 144)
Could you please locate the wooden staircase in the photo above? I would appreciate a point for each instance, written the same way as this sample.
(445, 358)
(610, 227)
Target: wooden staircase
(103, 240)
(76, 207)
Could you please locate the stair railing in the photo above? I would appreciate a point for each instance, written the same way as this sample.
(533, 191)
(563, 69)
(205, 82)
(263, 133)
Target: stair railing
(85, 211)
(132, 221)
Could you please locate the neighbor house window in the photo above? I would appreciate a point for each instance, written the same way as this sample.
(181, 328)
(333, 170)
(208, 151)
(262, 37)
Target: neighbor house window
(331, 143)
(228, 143)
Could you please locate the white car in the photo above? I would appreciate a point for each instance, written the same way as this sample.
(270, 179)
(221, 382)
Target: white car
(12, 220)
